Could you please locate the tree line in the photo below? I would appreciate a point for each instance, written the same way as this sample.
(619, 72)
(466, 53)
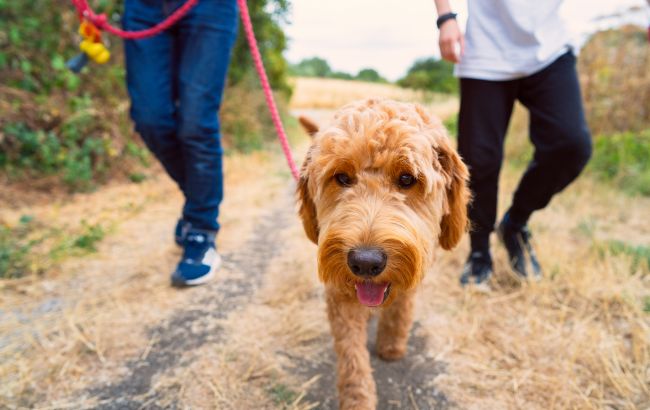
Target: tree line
(428, 74)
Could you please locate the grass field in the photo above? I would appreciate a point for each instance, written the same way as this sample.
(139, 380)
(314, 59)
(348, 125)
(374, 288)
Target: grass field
(104, 329)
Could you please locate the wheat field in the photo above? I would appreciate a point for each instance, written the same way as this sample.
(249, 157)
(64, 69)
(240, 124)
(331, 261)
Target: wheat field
(330, 94)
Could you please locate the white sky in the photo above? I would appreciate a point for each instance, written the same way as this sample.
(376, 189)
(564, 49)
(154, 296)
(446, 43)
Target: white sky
(389, 35)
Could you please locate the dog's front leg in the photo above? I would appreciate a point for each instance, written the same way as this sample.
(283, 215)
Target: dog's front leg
(348, 321)
(394, 327)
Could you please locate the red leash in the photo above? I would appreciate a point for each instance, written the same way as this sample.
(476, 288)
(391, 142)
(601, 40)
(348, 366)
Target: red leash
(268, 92)
(101, 22)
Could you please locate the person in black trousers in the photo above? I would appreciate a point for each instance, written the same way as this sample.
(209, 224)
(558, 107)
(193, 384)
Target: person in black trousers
(538, 72)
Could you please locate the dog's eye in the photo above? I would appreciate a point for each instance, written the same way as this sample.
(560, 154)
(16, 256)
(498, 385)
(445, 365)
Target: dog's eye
(406, 181)
(343, 179)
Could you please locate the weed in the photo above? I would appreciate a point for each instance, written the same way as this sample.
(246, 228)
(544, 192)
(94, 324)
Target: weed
(15, 247)
(29, 246)
(77, 243)
(587, 227)
(282, 394)
(89, 237)
(640, 254)
(137, 177)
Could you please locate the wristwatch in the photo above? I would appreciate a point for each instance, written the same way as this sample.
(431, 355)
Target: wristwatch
(447, 16)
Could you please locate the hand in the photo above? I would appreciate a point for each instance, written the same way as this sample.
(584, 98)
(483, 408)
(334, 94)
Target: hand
(450, 39)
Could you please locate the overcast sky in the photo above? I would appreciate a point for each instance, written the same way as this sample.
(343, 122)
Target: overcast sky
(389, 35)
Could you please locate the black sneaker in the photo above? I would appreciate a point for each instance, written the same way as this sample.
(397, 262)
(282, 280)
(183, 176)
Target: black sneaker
(477, 270)
(516, 239)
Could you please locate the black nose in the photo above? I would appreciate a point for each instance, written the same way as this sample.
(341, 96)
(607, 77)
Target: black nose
(367, 261)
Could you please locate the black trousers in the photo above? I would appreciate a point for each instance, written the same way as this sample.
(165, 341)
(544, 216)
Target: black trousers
(558, 131)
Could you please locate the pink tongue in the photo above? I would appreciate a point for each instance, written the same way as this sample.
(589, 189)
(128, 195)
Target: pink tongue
(371, 294)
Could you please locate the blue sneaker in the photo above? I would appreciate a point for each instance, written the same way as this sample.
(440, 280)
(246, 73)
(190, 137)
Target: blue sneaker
(182, 226)
(200, 259)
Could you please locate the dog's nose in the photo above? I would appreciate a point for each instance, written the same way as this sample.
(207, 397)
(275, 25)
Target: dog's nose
(367, 261)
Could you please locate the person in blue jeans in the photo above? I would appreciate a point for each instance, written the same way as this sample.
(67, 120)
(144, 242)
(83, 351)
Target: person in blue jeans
(175, 81)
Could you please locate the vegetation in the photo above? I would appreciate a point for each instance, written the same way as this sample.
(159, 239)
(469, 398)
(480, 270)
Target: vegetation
(74, 129)
(432, 75)
(623, 158)
(31, 246)
(318, 67)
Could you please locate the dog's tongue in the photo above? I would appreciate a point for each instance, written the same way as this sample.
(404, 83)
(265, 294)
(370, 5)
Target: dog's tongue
(371, 294)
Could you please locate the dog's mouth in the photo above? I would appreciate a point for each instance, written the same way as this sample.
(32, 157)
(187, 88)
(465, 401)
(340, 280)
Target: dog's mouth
(372, 294)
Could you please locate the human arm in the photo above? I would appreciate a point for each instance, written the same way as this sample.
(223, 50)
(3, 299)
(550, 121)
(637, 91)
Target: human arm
(451, 38)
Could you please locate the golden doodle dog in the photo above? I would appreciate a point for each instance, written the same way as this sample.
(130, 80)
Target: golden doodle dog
(380, 188)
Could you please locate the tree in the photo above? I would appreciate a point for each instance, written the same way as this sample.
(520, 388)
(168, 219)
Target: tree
(370, 75)
(432, 75)
(312, 67)
(266, 16)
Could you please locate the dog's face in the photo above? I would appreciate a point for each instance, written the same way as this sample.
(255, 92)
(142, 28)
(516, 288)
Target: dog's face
(379, 188)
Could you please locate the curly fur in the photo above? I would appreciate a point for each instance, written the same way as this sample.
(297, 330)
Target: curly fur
(374, 142)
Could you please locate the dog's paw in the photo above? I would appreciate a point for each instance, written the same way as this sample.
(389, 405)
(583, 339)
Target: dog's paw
(390, 352)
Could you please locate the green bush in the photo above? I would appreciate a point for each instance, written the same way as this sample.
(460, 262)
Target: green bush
(432, 75)
(266, 16)
(74, 153)
(312, 67)
(623, 159)
(370, 75)
(35, 39)
(75, 127)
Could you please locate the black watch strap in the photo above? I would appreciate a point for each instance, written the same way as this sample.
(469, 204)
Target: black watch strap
(447, 16)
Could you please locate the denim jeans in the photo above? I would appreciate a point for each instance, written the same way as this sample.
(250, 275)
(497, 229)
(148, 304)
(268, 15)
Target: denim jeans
(176, 81)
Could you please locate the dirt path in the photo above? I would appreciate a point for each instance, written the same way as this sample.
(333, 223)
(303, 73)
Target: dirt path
(106, 331)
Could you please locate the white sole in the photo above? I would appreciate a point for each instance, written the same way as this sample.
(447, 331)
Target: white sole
(207, 277)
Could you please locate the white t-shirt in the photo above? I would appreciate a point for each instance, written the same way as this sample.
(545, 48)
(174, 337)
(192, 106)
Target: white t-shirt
(509, 39)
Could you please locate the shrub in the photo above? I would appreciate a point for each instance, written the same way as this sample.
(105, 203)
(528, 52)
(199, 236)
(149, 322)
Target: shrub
(622, 159)
(432, 75)
(75, 127)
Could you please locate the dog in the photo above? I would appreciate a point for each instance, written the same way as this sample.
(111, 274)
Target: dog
(380, 188)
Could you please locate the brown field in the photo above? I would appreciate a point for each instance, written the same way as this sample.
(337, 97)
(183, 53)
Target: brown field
(106, 331)
(330, 94)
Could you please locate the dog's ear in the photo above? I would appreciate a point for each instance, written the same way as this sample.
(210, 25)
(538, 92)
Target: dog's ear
(307, 208)
(310, 126)
(454, 222)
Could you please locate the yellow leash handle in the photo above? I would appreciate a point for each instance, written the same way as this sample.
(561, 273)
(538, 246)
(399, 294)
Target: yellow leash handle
(92, 44)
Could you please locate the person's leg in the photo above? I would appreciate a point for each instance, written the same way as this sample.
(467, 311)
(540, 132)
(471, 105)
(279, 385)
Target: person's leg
(205, 38)
(149, 76)
(485, 109)
(562, 143)
(558, 130)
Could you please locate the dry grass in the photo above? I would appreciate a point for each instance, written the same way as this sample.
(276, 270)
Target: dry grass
(77, 325)
(578, 339)
(324, 93)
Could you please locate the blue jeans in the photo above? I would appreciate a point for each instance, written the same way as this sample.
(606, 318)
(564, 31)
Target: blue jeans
(176, 81)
